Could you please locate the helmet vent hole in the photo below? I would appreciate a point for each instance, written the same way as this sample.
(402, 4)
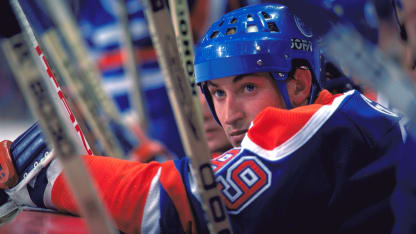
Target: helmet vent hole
(265, 15)
(231, 31)
(214, 35)
(250, 18)
(222, 22)
(252, 28)
(272, 27)
(233, 21)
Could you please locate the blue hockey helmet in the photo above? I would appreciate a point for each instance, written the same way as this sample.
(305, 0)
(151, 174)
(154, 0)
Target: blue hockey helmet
(259, 38)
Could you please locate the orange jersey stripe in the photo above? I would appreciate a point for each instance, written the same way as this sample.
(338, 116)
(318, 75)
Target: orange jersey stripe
(278, 125)
(112, 60)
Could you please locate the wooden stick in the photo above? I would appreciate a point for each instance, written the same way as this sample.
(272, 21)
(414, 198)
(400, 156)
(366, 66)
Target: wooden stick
(130, 62)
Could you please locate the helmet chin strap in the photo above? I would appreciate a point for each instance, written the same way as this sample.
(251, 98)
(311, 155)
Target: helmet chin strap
(281, 85)
(314, 93)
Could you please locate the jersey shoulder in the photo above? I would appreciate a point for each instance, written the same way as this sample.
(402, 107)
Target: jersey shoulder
(372, 119)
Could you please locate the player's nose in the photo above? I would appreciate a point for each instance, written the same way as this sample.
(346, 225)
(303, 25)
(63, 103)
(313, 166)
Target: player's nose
(233, 112)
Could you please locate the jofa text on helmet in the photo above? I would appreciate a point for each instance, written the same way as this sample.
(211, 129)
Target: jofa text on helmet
(300, 44)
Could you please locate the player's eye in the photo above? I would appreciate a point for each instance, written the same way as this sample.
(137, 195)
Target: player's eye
(218, 93)
(249, 88)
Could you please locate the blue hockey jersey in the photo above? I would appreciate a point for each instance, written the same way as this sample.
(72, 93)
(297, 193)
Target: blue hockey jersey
(321, 169)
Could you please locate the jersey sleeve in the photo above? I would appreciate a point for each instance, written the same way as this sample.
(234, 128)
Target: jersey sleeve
(404, 197)
(139, 196)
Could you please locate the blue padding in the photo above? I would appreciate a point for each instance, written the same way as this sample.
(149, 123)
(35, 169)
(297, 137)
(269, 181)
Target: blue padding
(281, 85)
(27, 147)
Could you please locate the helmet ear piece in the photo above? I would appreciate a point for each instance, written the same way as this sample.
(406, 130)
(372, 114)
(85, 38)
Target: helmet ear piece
(208, 98)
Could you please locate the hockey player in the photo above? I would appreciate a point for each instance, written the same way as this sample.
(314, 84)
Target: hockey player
(305, 162)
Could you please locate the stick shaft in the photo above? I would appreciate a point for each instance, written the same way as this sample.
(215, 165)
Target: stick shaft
(181, 23)
(130, 62)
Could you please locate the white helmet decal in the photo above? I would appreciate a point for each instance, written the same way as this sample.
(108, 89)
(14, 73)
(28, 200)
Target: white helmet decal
(302, 28)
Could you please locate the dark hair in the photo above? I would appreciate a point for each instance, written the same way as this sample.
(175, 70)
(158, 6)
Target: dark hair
(297, 63)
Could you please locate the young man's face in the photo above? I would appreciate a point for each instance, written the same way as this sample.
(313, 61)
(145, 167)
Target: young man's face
(239, 99)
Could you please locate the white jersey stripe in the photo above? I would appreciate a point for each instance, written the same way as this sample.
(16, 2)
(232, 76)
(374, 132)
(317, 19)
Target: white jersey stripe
(151, 213)
(301, 137)
(54, 170)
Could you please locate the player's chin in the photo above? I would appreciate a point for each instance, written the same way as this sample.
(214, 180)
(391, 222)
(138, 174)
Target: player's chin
(236, 140)
(218, 146)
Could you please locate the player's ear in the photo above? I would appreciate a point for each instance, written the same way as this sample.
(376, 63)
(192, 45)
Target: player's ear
(299, 87)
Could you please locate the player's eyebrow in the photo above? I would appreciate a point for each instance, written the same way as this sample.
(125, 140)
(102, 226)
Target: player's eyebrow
(235, 79)
(239, 77)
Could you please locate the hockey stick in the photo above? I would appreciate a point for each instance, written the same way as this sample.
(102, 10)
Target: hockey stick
(130, 62)
(180, 16)
(55, 127)
(190, 125)
(91, 80)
